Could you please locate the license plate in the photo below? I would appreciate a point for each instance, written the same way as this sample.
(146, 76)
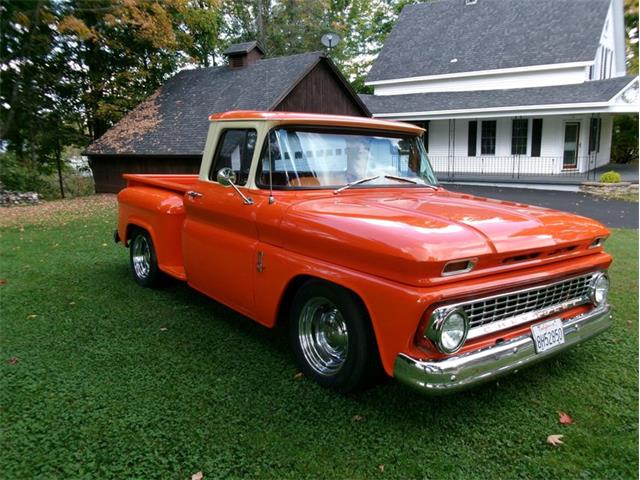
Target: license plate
(547, 335)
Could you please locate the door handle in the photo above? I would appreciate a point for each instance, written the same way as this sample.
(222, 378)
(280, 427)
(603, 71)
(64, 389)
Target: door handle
(193, 194)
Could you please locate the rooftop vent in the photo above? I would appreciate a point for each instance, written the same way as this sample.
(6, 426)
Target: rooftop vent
(241, 55)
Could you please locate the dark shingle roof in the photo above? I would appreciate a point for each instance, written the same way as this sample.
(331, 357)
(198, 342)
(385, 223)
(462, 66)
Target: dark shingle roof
(492, 34)
(588, 92)
(245, 47)
(174, 120)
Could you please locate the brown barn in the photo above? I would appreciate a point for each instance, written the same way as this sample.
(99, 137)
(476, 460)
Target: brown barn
(166, 133)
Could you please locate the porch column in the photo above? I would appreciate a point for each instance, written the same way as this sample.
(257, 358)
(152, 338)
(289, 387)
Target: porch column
(451, 149)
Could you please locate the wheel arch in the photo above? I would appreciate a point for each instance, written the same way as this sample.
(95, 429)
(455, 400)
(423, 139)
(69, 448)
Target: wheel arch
(137, 224)
(297, 281)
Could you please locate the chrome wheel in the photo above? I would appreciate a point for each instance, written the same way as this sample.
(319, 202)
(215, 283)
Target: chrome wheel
(141, 256)
(323, 336)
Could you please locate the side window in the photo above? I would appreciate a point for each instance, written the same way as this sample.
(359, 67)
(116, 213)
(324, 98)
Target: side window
(235, 151)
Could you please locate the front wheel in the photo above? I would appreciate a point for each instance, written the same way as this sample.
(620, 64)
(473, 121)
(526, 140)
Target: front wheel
(332, 338)
(144, 263)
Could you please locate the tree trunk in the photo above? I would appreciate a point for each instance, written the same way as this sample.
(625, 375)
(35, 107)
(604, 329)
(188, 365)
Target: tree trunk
(59, 167)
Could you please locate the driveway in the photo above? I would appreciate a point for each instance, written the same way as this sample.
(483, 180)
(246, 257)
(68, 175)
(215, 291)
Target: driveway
(612, 213)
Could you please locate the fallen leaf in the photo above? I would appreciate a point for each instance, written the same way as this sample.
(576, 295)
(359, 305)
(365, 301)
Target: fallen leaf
(163, 329)
(357, 418)
(104, 244)
(3, 281)
(197, 476)
(555, 440)
(381, 467)
(298, 376)
(565, 418)
(31, 317)
(72, 303)
(12, 360)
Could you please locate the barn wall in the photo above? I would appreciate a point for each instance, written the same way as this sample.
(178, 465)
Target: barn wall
(320, 92)
(108, 170)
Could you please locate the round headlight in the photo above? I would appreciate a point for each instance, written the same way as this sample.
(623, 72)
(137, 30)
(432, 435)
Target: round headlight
(448, 329)
(599, 289)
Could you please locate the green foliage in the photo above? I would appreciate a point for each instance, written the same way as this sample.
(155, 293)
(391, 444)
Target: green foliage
(610, 177)
(288, 27)
(631, 27)
(20, 177)
(114, 381)
(624, 143)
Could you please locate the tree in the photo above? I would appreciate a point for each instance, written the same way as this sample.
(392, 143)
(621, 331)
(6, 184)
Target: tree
(28, 95)
(624, 144)
(631, 27)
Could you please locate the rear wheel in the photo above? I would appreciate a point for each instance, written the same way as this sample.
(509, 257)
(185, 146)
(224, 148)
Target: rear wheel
(332, 338)
(144, 263)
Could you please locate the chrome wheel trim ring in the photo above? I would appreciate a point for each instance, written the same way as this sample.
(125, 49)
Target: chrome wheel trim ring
(141, 257)
(323, 336)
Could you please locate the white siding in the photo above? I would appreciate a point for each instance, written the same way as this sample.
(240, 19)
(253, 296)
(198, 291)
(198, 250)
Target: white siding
(605, 61)
(604, 155)
(542, 78)
(551, 152)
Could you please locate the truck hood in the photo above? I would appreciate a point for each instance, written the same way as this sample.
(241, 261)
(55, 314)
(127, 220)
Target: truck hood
(409, 236)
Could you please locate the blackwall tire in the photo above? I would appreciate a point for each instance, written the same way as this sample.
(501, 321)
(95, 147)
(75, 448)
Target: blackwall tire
(143, 260)
(332, 338)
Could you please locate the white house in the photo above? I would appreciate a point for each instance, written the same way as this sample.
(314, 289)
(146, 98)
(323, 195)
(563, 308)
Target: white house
(507, 87)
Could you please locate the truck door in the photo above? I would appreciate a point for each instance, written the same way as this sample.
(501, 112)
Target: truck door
(220, 234)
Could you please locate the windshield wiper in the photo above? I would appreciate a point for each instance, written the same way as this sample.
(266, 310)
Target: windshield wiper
(409, 180)
(357, 182)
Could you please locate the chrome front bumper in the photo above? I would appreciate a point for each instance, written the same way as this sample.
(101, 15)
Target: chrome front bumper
(459, 372)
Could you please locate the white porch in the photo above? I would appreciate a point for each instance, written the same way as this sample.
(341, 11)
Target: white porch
(563, 146)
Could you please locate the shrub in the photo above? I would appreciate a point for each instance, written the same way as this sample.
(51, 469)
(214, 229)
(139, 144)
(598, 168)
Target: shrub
(624, 146)
(610, 177)
(19, 177)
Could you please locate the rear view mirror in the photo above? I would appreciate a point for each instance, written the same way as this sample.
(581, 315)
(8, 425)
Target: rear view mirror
(226, 176)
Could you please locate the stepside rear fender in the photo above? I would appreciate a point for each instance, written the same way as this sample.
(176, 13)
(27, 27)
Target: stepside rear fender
(160, 212)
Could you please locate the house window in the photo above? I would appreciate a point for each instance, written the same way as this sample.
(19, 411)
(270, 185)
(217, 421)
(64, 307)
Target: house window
(519, 131)
(488, 138)
(473, 138)
(536, 137)
(594, 134)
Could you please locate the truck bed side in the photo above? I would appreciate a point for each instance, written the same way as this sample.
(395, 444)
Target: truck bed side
(155, 203)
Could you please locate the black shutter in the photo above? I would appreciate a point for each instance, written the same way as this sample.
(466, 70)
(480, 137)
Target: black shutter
(593, 127)
(536, 137)
(473, 138)
(426, 136)
(594, 134)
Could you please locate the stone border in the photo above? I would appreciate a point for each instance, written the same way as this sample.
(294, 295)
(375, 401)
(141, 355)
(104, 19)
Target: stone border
(609, 189)
(9, 198)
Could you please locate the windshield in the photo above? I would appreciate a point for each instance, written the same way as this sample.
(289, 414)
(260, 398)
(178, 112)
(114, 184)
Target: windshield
(296, 158)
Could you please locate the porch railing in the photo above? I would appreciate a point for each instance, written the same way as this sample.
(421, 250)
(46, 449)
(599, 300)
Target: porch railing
(512, 167)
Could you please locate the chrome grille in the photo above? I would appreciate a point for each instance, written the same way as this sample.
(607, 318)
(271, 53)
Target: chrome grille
(525, 305)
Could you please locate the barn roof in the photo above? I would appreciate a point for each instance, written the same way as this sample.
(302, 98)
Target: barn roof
(448, 36)
(434, 103)
(174, 120)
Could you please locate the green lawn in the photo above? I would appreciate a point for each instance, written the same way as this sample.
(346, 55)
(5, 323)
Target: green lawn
(103, 379)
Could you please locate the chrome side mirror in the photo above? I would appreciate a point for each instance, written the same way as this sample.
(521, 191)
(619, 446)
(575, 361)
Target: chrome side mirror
(227, 177)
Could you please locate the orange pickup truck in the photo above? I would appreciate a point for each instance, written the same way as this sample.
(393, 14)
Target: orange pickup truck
(338, 227)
